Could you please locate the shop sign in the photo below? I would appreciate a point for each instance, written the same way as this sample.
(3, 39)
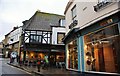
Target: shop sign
(106, 22)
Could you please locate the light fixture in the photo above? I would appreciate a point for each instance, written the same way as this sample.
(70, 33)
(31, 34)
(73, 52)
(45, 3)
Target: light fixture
(31, 54)
(100, 42)
(85, 47)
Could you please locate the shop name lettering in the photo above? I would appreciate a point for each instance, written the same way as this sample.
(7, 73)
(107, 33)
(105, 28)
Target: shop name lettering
(106, 22)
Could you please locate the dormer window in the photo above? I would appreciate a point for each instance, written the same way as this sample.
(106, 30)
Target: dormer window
(73, 11)
(62, 22)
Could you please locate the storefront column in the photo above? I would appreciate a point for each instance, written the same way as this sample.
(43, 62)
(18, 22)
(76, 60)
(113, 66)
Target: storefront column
(66, 54)
(79, 54)
(119, 26)
(118, 52)
(81, 46)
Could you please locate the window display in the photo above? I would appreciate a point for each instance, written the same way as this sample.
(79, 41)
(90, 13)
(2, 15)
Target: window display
(72, 55)
(101, 48)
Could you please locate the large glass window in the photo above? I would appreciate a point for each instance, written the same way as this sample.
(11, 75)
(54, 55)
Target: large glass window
(72, 55)
(101, 48)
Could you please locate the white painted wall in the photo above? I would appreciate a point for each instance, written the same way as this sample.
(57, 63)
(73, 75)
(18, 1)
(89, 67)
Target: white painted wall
(55, 30)
(89, 16)
(68, 17)
(86, 14)
(15, 35)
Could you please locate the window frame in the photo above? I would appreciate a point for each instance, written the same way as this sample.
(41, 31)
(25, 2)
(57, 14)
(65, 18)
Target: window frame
(73, 14)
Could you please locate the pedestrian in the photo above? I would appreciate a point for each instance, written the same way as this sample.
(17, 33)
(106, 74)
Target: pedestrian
(46, 62)
(38, 64)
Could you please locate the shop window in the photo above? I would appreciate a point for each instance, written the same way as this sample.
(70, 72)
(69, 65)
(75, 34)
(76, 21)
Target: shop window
(60, 36)
(101, 50)
(72, 55)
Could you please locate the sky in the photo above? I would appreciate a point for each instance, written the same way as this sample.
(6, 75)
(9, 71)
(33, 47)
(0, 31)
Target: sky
(13, 12)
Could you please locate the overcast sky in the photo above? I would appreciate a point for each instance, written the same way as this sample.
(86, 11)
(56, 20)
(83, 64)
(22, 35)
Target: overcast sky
(13, 12)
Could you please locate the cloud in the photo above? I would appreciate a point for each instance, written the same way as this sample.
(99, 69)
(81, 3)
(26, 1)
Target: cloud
(13, 12)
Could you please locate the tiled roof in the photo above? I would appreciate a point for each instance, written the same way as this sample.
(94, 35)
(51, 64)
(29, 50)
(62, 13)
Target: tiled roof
(42, 21)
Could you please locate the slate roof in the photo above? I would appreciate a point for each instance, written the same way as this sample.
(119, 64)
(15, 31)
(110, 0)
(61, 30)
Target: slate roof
(42, 21)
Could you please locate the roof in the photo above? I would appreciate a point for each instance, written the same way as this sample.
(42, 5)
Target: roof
(42, 21)
(14, 28)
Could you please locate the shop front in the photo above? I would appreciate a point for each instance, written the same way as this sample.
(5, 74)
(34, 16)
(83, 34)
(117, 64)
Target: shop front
(101, 46)
(101, 49)
(95, 48)
(33, 52)
(72, 55)
(72, 50)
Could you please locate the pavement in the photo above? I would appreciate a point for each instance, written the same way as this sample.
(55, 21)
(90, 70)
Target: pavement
(52, 71)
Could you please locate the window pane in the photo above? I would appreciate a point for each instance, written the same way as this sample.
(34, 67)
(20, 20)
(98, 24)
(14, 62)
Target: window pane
(101, 49)
(72, 55)
(39, 33)
(33, 32)
(60, 37)
(73, 12)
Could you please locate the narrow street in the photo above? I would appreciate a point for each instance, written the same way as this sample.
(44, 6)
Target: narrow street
(7, 70)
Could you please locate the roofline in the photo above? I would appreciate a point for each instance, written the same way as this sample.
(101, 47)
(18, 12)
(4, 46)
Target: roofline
(68, 5)
(49, 13)
(12, 30)
(58, 26)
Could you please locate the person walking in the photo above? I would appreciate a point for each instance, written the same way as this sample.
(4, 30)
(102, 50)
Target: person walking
(46, 62)
(39, 64)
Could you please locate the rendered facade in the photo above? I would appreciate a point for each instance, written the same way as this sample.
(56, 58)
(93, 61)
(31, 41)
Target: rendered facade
(11, 41)
(92, 38)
